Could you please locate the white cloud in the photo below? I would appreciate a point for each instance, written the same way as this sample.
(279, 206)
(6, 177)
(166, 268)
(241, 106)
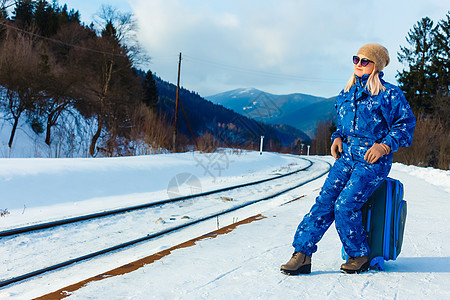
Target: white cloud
(278, 46)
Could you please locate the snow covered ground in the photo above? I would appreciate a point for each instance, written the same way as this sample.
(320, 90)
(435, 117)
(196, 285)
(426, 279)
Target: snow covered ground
(36, 189)
(241, 264)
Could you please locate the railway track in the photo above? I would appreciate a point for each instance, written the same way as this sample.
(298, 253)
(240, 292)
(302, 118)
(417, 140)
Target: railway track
(203, 207)
(56, 223)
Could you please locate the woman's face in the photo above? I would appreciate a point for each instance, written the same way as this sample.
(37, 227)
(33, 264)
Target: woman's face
(360, 70)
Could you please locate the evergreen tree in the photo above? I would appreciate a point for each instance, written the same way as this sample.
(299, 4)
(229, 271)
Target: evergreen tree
(45, 18)
(65, 17)
(150, 91)
(110, 34)
(23, 13)
(426, 84)
(418, 80)
(441, 70)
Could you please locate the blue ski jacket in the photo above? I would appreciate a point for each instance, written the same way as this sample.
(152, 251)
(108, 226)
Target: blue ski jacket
(384, 118)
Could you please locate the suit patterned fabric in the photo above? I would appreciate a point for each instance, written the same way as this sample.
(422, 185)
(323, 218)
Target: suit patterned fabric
(362, 120)
(385, 118)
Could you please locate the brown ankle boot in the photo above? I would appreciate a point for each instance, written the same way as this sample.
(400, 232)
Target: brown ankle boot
(298, 264)
(356, 265)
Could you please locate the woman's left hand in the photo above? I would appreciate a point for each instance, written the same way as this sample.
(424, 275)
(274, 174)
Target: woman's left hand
(375, 152)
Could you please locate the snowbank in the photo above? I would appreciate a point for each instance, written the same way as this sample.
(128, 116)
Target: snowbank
(242, 264)
(45, 189)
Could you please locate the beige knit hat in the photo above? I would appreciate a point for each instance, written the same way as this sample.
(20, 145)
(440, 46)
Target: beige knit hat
(377, 53)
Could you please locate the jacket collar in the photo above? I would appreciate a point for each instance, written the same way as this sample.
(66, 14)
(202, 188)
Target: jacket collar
(362, 81)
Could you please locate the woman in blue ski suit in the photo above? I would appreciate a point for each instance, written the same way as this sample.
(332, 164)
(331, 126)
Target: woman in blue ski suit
(373, 120)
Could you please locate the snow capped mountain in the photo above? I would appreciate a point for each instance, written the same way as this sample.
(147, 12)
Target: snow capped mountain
(298, 110)
(238, 100)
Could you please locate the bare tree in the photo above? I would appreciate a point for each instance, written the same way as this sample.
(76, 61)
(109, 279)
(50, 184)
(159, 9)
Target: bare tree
(59, 93)
(321, 143)
(19, 74)
(150, 133)
(430, 147)
(126, 29)
(114, 89)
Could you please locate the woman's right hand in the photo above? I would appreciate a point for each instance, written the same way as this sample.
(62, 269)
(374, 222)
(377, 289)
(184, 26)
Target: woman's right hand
(336, 148)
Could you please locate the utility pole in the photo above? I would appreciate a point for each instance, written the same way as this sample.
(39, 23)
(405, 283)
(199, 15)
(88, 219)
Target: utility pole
(176, 106)
(178, 101)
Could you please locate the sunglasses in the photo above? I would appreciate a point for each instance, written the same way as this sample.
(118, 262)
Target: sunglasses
(364, 61)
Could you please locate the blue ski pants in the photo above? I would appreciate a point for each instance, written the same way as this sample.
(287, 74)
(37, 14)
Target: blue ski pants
(349, 184)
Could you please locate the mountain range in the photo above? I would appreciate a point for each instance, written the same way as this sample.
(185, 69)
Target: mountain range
(224, 124)
(298, 110)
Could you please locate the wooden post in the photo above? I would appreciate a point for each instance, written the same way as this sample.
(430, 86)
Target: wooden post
(261, 145)
(176, 106)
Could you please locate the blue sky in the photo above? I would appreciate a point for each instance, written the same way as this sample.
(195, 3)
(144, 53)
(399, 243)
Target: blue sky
(281, 47)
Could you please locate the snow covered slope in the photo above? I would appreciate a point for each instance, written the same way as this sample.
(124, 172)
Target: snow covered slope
(70, 138)
(36, 189)
(245, 262)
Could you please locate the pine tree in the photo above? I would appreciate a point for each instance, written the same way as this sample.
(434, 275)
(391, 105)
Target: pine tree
(45, 18)
(50, 18)
(417, 82)
(426, 85)
(110, 34)
(23, 13)
(65, 17)
(441, 70)
(150, 91)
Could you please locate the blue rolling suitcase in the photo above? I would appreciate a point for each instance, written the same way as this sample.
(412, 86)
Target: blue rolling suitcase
(384, 216)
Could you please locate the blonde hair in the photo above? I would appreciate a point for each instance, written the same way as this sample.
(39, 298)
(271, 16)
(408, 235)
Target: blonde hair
(373, 85)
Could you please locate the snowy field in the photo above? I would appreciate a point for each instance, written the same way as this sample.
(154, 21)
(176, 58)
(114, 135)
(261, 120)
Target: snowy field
(241, 264)
(36, 189)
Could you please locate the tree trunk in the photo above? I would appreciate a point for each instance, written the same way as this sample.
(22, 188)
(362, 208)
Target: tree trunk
(51, 121)
(13, 131)
(95, 137)
(47, 135)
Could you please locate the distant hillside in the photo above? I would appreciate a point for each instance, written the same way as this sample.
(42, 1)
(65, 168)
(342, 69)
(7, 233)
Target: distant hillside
(307, 117)
(224, 123)
(298, 110)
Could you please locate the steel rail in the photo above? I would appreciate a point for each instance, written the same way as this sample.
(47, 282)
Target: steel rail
(154, 235)
(30, 228)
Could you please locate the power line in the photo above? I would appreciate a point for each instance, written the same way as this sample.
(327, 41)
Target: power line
(60, 42)
(188, 58)
(258, 72)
